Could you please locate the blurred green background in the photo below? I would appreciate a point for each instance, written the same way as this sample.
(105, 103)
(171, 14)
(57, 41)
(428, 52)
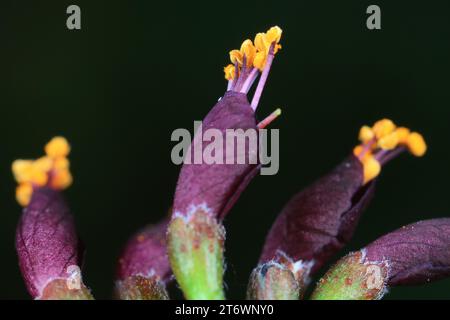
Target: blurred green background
(140, 69)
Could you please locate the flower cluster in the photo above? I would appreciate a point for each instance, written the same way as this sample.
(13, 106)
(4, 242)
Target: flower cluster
(314, 225)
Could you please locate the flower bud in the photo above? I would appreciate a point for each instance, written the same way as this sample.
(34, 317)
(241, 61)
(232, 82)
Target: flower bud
(415, 254)
(317, 222)
(49, 249)
(144, 269)
(206, 191)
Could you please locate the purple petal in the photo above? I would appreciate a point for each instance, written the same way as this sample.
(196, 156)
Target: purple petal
(320, 220)
(146, 254)
(46, 240)
(415, 254)
(217, 185)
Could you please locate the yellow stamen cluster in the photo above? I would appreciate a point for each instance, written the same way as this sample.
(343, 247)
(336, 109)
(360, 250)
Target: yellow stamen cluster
(384, 135)
(255, 53)
(51, 170)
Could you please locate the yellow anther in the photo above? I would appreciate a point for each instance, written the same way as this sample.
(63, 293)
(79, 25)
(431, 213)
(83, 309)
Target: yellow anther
(22, 170)
(358, 150)
(274, 34)
(249, 51)
(35, 172)
(402, 134)
(372, 168)
(38, 177)
(260, 60)
(261, 42)
(255, 52)
(383, 127)
(43, 164)
(51, 170)
(416, 144)
(229, 71)
(61, 180)
(389, 141)
(57, 147)
(366, 134)
(23, 193)
(379, 140)
(236, 57)
(61, 164)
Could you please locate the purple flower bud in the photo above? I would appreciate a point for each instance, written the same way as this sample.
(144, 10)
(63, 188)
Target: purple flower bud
(146, 254)
(48, 247)
(218, 186)
(208, 188)
(144, 265)
(320, 220)
(415, 254)
(317, 222)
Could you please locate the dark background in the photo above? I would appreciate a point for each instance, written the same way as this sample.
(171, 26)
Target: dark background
(138, 70)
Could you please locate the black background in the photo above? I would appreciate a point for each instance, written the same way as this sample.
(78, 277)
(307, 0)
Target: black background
(140, 69)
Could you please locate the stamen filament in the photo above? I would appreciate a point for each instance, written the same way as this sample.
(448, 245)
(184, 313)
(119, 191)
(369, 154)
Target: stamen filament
(366, 148)
(249, 81)
(263, 79)
(236, 75)
(230, 84)
(253, 57)
(242, 75)
(385, 156)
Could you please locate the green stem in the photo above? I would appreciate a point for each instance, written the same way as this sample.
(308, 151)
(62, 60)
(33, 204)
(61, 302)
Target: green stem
(195, 246)
(353, 278)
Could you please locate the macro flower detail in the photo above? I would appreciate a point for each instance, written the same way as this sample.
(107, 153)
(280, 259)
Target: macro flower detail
(48, 247)
(127, 171)
(415, 254)
(206, 192)
(251, 60)
(143, 268)
(384, 141)
(314, 225)
(320, 220)
(216, 186)
(51, 170)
